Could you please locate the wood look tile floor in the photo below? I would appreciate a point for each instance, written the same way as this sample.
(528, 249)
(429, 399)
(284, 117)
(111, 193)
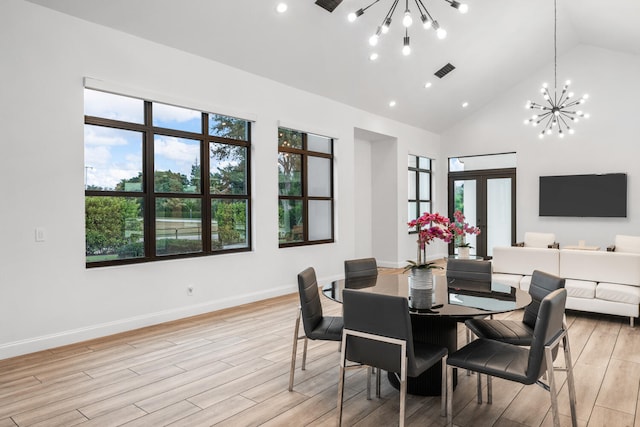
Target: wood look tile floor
(231, 368)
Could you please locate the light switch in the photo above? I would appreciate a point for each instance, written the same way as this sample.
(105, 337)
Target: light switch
(40, 234)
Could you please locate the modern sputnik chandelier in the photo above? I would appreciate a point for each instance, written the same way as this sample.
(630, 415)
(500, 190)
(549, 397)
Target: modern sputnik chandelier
(407, 20)
(559, 111)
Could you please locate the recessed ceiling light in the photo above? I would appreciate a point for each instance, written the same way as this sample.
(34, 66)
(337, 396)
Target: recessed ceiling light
(373, 56)
(392, 103)
(281, 8)
(465, 104)
(427, 85)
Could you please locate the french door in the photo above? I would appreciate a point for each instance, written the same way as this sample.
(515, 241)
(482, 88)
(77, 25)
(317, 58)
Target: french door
(487, 198)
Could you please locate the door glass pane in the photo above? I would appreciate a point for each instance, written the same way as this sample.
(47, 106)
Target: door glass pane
(465, 200)
(319, 219)
(413, 161)
(178, 226)
(425, 207)
(498, 213)
(319, 176)
(228, 224)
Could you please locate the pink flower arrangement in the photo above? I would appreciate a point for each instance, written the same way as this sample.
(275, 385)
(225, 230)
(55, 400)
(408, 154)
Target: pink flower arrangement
(429, 226)
(459, 228)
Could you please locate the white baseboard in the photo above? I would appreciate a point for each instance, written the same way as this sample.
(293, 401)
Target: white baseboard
(44, 342)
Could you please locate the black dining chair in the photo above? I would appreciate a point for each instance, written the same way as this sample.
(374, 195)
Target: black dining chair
(470, 272)
(521, 364)
(315, 325)
(359, 268)
(377, 333)
(514, 331)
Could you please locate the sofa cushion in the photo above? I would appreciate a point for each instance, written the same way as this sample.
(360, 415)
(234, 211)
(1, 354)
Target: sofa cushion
(522, 261)
(512, 280)
(618, 293)
(629, 244)
(580, 288)
(525, 283)
(538, 240)
(600, 266)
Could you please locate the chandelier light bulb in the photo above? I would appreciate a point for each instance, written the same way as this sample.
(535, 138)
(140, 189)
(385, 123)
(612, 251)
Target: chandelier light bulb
(425, 22)
(385, 26)
(571, 131)
(568, 82)
(585, 96)
(355, 15)
(281, 8)
(406, 48)
(528, 104)
(407, 20)
(373, 56)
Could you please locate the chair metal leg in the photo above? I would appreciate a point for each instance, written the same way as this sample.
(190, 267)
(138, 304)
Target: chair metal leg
(444, 395)
(631, 319)
(552, 386)
(294, 350)
(570, 381)
(403, 387)
(469, 339)
(378, 381)
(479, 388)
(449, 396)
(370, 371)
(489, 390)
(304, 354)
(341, 381)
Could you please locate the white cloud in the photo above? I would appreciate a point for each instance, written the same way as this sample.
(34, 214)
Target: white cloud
(169, 113)
(175, 149)
(96, 135)
(109, 106)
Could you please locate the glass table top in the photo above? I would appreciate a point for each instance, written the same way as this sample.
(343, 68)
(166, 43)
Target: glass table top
(452, 298)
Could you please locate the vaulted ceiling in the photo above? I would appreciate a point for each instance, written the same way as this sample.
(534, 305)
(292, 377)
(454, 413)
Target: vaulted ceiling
(497, 44)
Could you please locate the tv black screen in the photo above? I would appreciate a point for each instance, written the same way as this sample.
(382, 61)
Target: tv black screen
(584, 195)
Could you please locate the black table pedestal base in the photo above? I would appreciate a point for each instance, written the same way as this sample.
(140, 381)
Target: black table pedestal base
(435, 330)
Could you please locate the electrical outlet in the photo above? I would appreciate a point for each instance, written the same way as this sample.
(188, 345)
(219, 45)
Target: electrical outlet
(40, 234)
(190, 290)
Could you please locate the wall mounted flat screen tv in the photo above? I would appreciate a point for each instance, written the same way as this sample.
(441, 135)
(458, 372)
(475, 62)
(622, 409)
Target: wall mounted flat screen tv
(584, 195)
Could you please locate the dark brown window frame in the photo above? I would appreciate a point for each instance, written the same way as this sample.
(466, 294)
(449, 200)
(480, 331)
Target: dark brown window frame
(149, 196)
(417, 169)
(305, 198)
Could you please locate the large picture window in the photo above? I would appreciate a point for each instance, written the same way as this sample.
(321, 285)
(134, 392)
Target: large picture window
(305, 188)
(419, 186)
(148, 195)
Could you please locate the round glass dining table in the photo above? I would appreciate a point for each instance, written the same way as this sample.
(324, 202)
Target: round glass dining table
(436, 312)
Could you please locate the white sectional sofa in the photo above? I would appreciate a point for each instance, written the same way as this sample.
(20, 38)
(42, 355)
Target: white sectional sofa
(596, 281)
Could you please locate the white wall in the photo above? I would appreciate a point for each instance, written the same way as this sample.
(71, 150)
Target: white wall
(48, 297)
(607, 142)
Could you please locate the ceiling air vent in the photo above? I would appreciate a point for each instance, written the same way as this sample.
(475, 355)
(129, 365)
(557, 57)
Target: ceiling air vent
(329, 5)
(445, 70)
